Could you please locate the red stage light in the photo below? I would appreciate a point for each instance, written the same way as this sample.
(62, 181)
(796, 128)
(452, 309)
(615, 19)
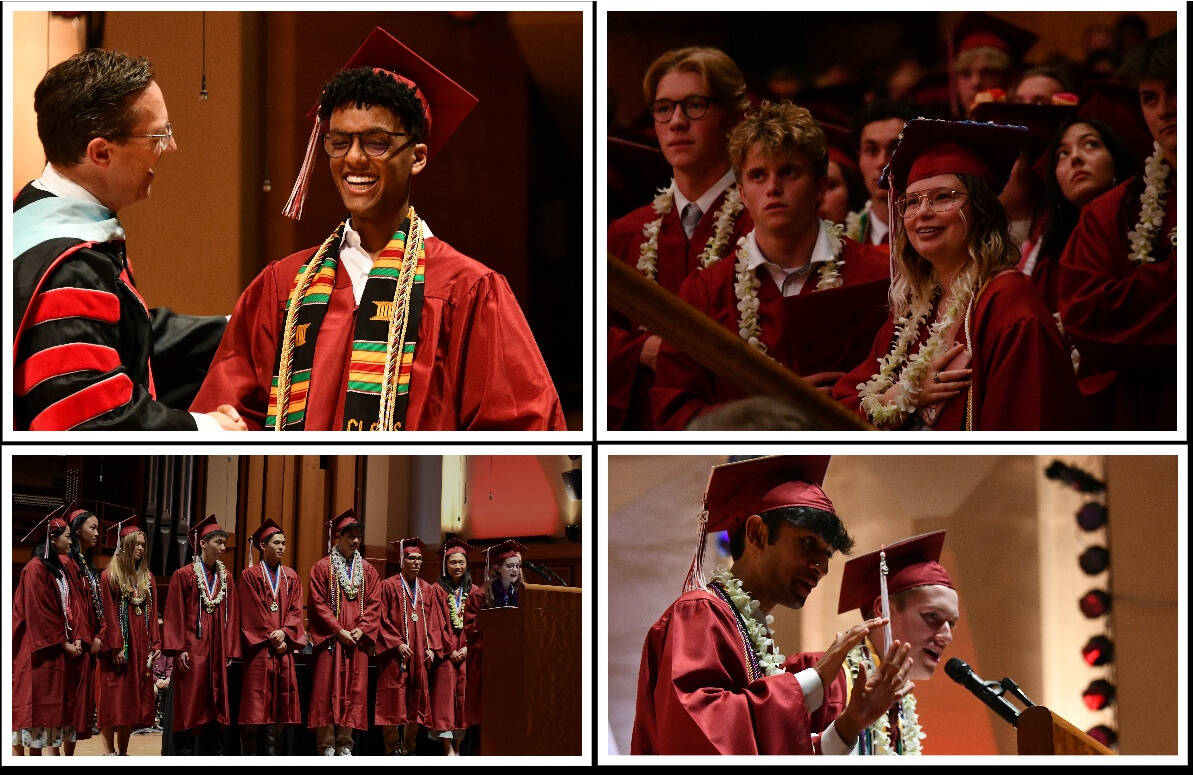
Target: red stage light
(1098, 695)
(1095, 603)
(1103, 734)
(1098, 650)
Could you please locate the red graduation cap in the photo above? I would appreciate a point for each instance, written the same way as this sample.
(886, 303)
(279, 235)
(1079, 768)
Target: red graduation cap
(267, 530)
(929, 146)
(444, 101)
(1041, 121)
(50, 522)
(738, 490)
(127, 526)
(978, 29)
(408, 545)
(74, 511)
(205, 528)
(1117, 106)
(337, 525)
(912, 562)
(453, 546)
(502, 551)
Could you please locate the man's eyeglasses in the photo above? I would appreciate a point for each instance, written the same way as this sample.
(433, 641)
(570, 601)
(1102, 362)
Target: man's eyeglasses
(163, 139)
(694, 107)
(375, 142)
(941, 200)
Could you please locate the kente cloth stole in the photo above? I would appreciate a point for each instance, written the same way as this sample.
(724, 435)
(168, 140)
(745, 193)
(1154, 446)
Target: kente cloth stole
(385, 335)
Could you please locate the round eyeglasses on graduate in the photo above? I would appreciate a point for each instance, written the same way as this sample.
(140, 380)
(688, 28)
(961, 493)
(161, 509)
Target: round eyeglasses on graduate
(694, 107)
(940, 199)
(374, 142)
(163, 138)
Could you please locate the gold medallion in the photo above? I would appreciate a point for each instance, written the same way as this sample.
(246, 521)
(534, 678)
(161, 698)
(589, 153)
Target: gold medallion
(137, 609)
(414, 616)
(273, 606)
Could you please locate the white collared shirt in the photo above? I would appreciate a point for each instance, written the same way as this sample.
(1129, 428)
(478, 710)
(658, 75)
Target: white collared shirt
(358, 262)
(705, 200)
(878, 229)
(790, 281)
(59, 185)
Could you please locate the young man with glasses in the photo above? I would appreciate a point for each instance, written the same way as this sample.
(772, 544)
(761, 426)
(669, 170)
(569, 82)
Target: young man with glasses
(85, 337)
(771, 288)
(390, 328)
(695, 95)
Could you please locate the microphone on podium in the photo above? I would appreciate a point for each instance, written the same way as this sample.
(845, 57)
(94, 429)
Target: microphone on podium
(545, 572)
(989, 692)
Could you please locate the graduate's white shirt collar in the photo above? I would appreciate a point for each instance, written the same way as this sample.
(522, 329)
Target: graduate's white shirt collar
(59, 185)
(705, 200)
(790, 281)
(878, 229)
(358, 262)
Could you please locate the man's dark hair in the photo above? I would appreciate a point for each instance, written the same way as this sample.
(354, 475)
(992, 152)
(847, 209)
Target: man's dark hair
(880, 110)
(86, 97)
(1154, 59)
(361, 87)
(1058, 74)
(823, 523)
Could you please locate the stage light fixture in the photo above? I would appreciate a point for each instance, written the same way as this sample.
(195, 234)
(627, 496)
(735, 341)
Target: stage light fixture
(1095, 603)
(1098, 695)
(1094, 560)
(1098, 651)
(1091, 516)
(1103, 734)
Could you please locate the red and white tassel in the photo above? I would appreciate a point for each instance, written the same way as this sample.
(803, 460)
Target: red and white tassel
(298, 194)
(695, 577)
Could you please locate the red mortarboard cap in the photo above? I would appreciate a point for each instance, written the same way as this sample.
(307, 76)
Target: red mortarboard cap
(127, 526)
(1041, 121)
(455, 546)
(50, 522)
(74, 510)
(445, 102)
(738, 490)
(205, 528)
(505, 549)
(930, 147)
(978, 29)
(262, 534)
(912, 562)
(1117, 106)
(840, 145)
(345, 520)
(407, 545)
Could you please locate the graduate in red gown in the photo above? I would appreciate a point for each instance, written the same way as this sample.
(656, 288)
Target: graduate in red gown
(696, 95)
(87, 598)
(922, 609)
(130, 640)
(439, 343)
(968, 344)
(449, 677)
(44, 644)
(270, 602)
(712, 679)
(344, 620)
(765, 291)
(1118, 274)
(406, 647)
(202, 632)
(502, 587)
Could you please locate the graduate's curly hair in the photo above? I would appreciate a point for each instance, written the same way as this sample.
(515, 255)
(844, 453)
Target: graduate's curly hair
(362, 87)
(781, 129)
(823, 523)
(988, 243)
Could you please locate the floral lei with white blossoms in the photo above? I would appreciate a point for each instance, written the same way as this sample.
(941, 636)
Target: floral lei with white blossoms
(350, 583)
(855, 222)
(912, 376)
(210, 603)
(761, 637)
(910, 733)
(1151, 210)
(664, 202)
(746, 284)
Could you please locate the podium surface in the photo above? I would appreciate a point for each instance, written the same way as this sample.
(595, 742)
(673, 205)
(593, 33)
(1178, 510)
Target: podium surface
(1042, 732)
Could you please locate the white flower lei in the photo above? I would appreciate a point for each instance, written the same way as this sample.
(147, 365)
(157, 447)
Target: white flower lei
(912, 377)
(746, 283)
(910, 733)
(349, 583)
(210, 603)
(761, 638)
(726, 216)
(1151, 210)
(853, 222)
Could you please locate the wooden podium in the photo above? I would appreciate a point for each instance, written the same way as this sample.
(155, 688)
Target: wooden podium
(531, 685)
(1042, 732)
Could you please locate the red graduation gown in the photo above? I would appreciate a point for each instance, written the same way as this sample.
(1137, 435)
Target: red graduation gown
(126, 696)
(474, 639)
(40, 668)
(201, 693)
(269, 685)
(449, 682)
(476, 364)
(340, 689)
(1122, 316)
(1022, 373)
(403, 690)
(684, 389)
(629, 382)
(695, 695)
(81, 676)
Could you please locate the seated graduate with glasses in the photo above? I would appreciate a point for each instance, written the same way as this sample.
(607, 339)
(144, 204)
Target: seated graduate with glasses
(384, 326)
(968, 344)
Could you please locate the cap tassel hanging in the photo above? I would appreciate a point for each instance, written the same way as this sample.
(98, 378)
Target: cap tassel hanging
(695, 577)
(298, 195)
